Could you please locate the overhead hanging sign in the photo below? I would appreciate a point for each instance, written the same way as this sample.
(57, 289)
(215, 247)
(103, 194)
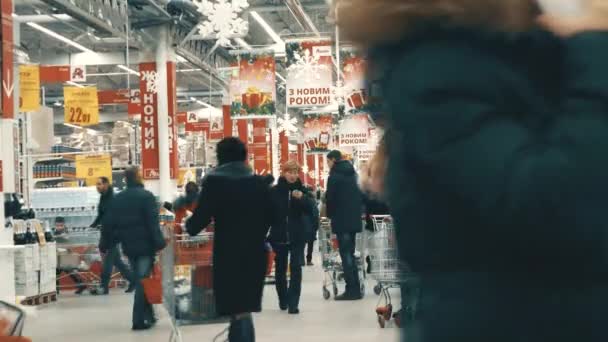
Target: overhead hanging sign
(134, 107)
(309, 74)
(355, 98)
(216, 131)
(8, 81)
(253, 90)
(29, 88)
(318, 133)
(78, 73)
(81, 106)
(91, 167)
(354, 131)
(120, 96)
(149, 117)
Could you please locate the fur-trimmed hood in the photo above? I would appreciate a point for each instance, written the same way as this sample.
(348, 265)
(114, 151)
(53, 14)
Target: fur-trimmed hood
(373, 22)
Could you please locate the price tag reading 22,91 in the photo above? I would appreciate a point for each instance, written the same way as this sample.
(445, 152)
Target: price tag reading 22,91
(81, 106)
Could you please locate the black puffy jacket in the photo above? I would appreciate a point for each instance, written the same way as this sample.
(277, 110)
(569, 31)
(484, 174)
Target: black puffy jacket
(344, 199)
(293, 217)
(132, 218)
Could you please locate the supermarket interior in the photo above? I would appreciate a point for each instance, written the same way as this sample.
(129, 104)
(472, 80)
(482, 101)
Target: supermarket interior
(94, 89)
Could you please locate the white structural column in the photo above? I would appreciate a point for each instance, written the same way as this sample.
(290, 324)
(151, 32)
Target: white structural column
(166, 187)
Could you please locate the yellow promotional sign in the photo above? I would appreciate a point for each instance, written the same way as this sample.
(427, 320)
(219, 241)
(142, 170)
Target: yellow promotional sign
(90, 168)
(29, 88)
(81, 106)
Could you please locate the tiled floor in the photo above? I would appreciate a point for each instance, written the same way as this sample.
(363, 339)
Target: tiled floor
(107, 319)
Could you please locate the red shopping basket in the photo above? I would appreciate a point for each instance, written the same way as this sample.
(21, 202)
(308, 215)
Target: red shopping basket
(153, 287)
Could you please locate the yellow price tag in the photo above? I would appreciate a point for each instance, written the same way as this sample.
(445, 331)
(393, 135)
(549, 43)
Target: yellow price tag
(81, 106)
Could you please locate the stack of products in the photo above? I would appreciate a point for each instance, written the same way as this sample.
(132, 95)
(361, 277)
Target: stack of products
(121, 142)
(48, 268)
(27, 268)
(64, 149)
(53, 171)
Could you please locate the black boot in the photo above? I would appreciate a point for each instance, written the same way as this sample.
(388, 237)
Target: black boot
(241, 330)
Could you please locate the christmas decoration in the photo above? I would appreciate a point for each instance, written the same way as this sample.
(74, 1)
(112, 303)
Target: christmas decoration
(339, 93)
(223, 20)
(307, 66)
(287, 124)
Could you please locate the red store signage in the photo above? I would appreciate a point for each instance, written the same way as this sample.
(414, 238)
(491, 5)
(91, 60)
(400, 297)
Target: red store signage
(8, 79)
(149, 129)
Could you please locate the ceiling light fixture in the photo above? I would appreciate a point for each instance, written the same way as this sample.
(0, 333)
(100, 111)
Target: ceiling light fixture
(108, 74)
(127, 69)
(74, 84)
(70, 125)
(59, 37)
(272, 33)
(189, 70)
(243, 43)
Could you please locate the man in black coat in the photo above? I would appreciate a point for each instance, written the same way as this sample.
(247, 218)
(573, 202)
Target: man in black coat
(496, 179)
(133, 219)
(290, 231)
(112, 257)
(344, 202)
(240, 203)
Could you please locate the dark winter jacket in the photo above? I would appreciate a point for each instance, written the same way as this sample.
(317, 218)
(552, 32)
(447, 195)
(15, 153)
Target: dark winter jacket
(293, 221)
(104, 203)
(241, 205)
(133, 219)
(344, 199)
(498, 182)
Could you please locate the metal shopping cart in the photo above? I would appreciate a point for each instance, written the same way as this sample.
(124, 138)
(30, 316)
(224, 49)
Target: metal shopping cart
(331, 261)
(187, 277)
(79, 262)
(386, 267)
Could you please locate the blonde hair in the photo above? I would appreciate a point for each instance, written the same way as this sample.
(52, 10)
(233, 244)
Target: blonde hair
(291, 165)
(369, 22)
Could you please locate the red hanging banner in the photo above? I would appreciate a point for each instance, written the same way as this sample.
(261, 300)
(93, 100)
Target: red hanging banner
(216, 131)
(227, 121)
(243, 129)
(120, 96)
(260, 147)
(149, 129)
(172, 97)
(284, 147)
(300, 156)
(310, 176)
(55, 73)
(8, 79)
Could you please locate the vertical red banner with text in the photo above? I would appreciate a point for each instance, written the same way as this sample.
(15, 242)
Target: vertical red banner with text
(321, 179)
(149, 121)
(172, 99)
(260, 147)
(8, 79)
(284, 147)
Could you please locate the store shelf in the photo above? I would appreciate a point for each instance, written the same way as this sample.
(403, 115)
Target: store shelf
(53, 179)
(54, 160)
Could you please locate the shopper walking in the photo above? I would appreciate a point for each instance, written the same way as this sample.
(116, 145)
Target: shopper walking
(497, 131)
(344, 202)
(290, 231)
(112, 257)
(133, 219)
(240, 203)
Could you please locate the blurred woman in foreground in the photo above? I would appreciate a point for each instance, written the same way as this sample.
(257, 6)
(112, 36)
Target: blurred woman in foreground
(497, 145)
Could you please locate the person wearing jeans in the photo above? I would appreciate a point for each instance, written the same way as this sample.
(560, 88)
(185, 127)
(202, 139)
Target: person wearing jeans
(291, 229)
(133, 221)
(142, 310)
(112, 258)
(344, 202)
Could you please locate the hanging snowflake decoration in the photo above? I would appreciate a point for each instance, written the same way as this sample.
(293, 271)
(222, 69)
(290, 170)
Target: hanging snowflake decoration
(287, 124)
(223, 20)
(306, 66)
(151, 79)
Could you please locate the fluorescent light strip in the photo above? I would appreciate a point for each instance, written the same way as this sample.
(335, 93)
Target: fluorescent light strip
(70, 125)
(277, 39)
(189, 70)
(281, 77)
(59, 37)
(74, 84)
(243, 43)
(127, 69)
(108, 74)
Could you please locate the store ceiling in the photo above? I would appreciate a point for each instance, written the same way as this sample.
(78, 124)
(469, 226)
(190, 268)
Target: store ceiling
(108, 35)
